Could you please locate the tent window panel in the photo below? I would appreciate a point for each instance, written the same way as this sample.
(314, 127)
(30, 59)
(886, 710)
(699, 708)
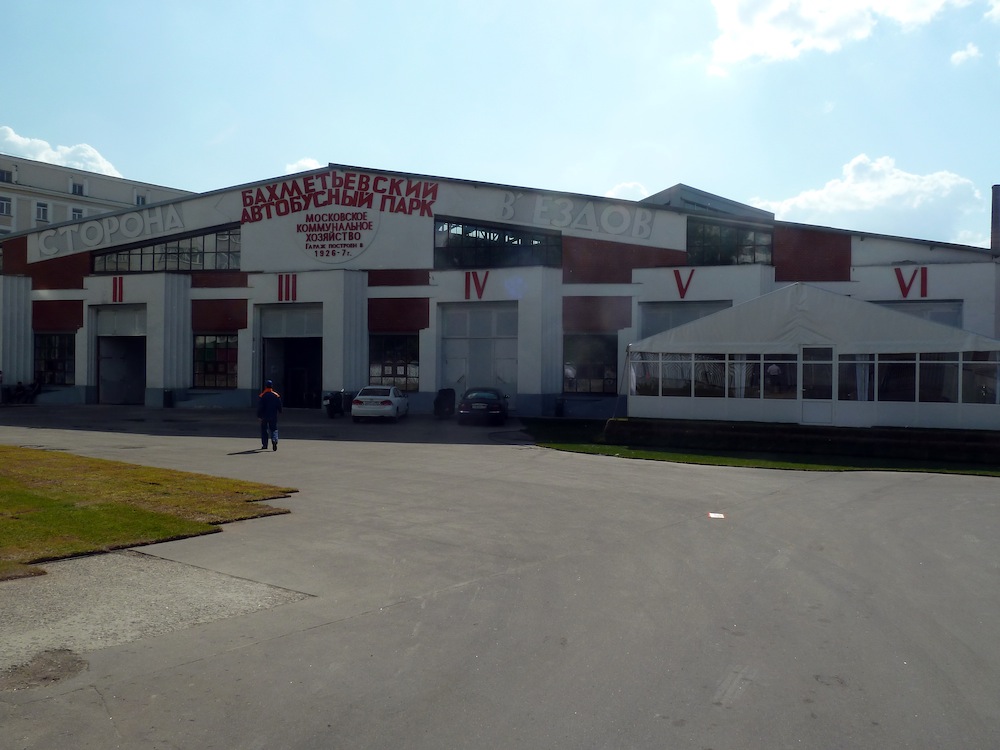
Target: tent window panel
(676, 370)
(710, 375)
(897, 377)
(979, 378)
(781, 375)
(645, 374)
(856, 377)
(591, 363)
(939, 382)
(940, 375)
(744, 376)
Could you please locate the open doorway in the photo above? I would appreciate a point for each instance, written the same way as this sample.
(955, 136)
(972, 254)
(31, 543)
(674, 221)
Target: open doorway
(295, 364)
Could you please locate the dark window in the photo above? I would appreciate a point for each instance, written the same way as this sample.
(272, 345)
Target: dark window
(6, 175)
(710, 375)
(743, 376)
(817, 373)
(781, 376)
(715, 244)
(461, 245)
(55, 358)
(5, 204)
(897, 377)
(77, 188)
(215, 361)
(856, 377)
(590, 363)
(218, 251)
(980, 377)
(394, 359)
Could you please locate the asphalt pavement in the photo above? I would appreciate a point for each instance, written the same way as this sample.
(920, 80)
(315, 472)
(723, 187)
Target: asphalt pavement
(440, 586)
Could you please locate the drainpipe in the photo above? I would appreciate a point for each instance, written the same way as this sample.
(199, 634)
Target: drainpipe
(995, 226)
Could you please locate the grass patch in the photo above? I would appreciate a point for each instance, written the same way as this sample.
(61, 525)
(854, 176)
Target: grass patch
(55, 505)
(587, 436)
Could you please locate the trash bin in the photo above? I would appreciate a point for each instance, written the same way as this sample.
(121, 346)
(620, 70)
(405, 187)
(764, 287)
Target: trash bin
(168, 399)
(444, 403)
(560, 407)
(334, 403)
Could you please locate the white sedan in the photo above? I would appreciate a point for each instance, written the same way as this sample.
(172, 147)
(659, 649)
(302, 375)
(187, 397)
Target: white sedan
(380, 402)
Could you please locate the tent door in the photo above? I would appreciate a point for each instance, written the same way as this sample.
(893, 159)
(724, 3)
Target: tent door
(816, 383)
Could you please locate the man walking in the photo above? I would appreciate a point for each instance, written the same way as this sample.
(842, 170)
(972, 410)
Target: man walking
(268, 409)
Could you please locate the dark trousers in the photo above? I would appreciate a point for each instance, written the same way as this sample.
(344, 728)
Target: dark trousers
(268, 431)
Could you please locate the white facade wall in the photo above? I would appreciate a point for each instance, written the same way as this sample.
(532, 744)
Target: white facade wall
(975, 284)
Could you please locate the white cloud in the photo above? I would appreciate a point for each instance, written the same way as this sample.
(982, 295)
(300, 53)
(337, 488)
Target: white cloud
(963, 55)
(874, 195)
(993, 14)
(629, 191)
(304, 164)
(784, 29)
(81, 156)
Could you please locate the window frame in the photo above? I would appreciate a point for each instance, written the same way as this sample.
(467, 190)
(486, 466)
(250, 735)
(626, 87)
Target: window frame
(215, 368)
(590, 363)
(463, 245)
(394, 360)
(209, 251)
(717, 243)
(54, 360)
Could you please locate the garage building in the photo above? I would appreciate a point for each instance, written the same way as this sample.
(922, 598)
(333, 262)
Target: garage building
(345, 276)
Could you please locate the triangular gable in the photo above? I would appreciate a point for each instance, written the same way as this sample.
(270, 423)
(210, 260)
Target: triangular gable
(803, 315)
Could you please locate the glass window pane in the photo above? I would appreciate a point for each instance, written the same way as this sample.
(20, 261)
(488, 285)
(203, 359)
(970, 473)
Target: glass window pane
(817, 381)
(897, 380)
(856, 380)
(979, 382)
(939, 382)
(781, 375)
(744, 376)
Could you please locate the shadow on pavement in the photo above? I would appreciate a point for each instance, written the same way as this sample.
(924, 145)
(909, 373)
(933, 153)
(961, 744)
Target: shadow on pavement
(295, 424)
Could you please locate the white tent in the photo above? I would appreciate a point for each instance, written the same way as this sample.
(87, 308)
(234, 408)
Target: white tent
(843, 362)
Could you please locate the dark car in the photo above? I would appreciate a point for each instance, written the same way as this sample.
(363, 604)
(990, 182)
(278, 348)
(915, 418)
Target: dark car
(483, 405)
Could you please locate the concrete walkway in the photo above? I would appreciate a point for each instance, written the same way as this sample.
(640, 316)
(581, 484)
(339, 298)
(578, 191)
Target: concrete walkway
(437, 586)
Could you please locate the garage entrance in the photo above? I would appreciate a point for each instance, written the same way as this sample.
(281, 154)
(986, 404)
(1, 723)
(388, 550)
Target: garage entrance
(296, 367)
(121, 354)
(121, 370)
(292, 353)
(479, 346)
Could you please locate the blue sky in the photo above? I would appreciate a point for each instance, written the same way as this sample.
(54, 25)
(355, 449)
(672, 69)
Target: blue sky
(873, 115)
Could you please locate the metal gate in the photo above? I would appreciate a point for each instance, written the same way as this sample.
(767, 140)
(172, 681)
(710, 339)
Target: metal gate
(479, 346)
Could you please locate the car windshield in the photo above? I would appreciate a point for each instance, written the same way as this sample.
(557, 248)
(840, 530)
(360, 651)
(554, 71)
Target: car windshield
(374, 392)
